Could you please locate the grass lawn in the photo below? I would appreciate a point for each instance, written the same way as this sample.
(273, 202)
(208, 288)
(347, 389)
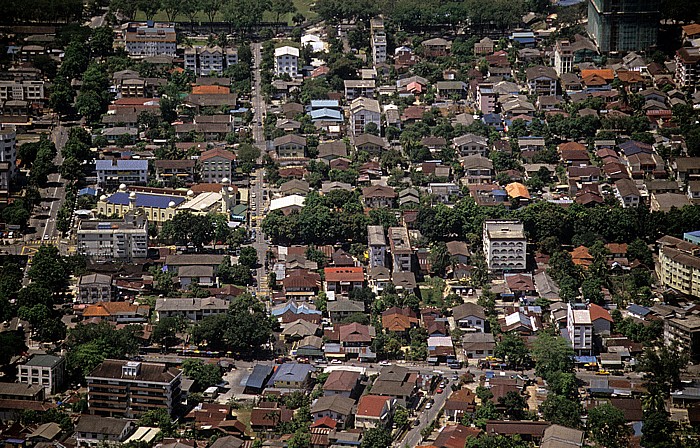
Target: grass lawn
(243, 415)
(303, 6)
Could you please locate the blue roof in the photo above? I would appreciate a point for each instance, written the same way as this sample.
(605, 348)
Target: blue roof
(325, 113)
(694, 233)
(293, 372)
(565, 3)
(257, 378)
(316, 104)
(108, 165)
(145, 199)
(585, 359)
(87, 192)
(499, 193)
(638, 309)
(491, 118)
(294, 308)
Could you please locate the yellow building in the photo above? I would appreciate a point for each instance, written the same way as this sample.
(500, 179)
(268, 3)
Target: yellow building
(679, 265)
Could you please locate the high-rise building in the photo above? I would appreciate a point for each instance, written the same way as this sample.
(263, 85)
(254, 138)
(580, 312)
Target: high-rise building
(8, 160)
(378, 36)
(505, 245)
(623, 25)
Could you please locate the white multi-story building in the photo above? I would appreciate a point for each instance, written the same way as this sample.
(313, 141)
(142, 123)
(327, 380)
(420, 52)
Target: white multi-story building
(378, 36)
(362, 112)
(203, 61)
(45, 370)
(126, 239)
(287, 61)
(115, 172)
(563, 57)
(679, 265)
(377, 246)
(401, 250)
(8, 160)
(687, 67)
(580, 329)
(505, 245)
(150, 39)
(24, 90)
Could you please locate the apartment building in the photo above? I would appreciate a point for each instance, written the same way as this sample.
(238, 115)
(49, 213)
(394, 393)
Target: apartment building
(216, 165)
(687, 67)
(93, 288)
(287, 61)
(684, 332)
(118, 388)
(679, 265)
(376, 242)
(364, 111)
(378, 40)
(194, 309)
(624, 25)
(505, 245)
(23, 90)
(204, 61)
(125, 239)
(8, 160)
(44, 370)
(401, 250)
(541, 80)
(150, 39)
(563, 57)
(112, 173)
(168, 170)
(579, 329)
(356, 88)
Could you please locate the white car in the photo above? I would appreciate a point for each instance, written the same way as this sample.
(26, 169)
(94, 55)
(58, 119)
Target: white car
(336, 361)
(384, 363)
(428, 405)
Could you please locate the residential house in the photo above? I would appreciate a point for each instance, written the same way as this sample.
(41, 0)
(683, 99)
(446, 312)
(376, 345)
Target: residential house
(461, 402)
(541, 81)
(292, 375)
(400, 248)
(471, 144)
(342, 383)
(374, 411)
(94, 288)
(113, 173)
(356, 88)
(478, 345)
(370, 143)
(378, 196)
(435, 47)
(193, 309)
(47, 371)
(342, 308)
(168, 170)
(627, 193)
(342, 280)
(397, 382)
(470, 317)
(92, 430)
(118, 312)
(580, 329)
(557, 436)
(376, 242)
(451, 89)
(216, 165)
(364, 111)
(290, 146)
(287, 61)
(336, 407)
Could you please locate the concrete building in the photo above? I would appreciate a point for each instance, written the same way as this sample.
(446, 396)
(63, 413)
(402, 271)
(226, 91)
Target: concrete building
(687, 67)
(125, 239)
(287, 61)
(118, 388)
(216, 165)
(93, 431)
(23, 90)
(563, 57)
(541, 80)
(113, 173)
(364, 111)
(8, 160)
(376, 240)
(684, 332)
(505, 245)
(378, 40)
(44, 370)
(357, 88)
(401, 250)
(204, 61)
(150, 39)
(679, 265)
(579, 329)
(628, 25)
(93, 288)
(194, 309)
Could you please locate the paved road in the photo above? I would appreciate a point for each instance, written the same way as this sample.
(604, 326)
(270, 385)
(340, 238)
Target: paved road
(258, 203)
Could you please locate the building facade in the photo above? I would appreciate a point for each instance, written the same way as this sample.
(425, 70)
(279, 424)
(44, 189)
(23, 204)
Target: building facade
(118, 388)
(505, 245)
(287, 61)
(216, 165)
(378, 39)
(125, 239)
(624, 25)
(679, 265)
(45, 370)
(580, 329)
(112, 173)
(376, 242)
(150, 39)
(204, 61)
(401, 250)
(8, 160)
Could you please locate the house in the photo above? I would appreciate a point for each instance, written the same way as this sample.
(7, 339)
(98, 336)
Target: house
(378, 278)
(92, 430)
(470, 317)
(627, 193)
(258, 379)
(168, 170)
(400, 248)
(471, 144)
(378, 196)
(267, 416)
(600, 318)
(196, 275)
(301, 283)
(299, 329)
(216, 165)
(150, 39)
(370, 143)
(580, 329)
(356, 88)
(290, 146)
(288, 204)
(484, 47)
(409, 196)
(397, 382)
(687, 168)
(342, 280)
(459, 250)
(294, 186)
(526, 429)
(451, 89)
(113, 173)
(45, 370)
(374, 411)
(376, 242)
(455, 436)
(332, 150)
(343, 383)
(399, 320)
(557, 436)
(207, 60)
(478, 345)
(94, 288)
(340, 309)
(364, 111)
(462, 401)
(336, 407)
(664, 202)
(287, 61)
(162, 384)
(541, 81)
(445, 192)
(435, 47)
(119, 312)
(193, 309)
(292, 375)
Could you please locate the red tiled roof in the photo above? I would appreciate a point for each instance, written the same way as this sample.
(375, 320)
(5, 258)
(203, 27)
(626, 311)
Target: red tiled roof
(598, 312)
(217, 152)
(210, 90)
(346, 274)
(371, 405)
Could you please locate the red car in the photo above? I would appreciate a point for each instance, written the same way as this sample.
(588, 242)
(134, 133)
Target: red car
(439, 390)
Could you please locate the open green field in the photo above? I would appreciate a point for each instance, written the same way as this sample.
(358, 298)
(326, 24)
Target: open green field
(303, 6)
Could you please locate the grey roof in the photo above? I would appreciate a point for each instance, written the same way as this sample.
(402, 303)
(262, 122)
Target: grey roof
(345, 306)
(468, 309)
(191, 304)
(44, 361)
(227, 442)
(557, 436)
(334, 403)
(259, 376)
(101, 425)
(20, 389)
(293, 372)
(195, 271)
(120, 164)
(375, 236)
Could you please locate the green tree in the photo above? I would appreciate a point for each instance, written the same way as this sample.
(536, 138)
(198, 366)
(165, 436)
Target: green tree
(247, 156)
(662, 369)
(49, 270)
(607, 426)
(401, 417)
(377, 437)
(562, 411)
(440, 258)
(187, 228)
(657, 430)
(248, 257)
(166, 330)
(514, 404)
(552, 354)
(512, 350)
(158, 418)
(204, 375)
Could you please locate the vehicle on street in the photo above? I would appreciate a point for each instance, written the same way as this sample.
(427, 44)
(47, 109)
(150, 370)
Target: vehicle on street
(439, 390)
(428, 405)
(336, 361)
